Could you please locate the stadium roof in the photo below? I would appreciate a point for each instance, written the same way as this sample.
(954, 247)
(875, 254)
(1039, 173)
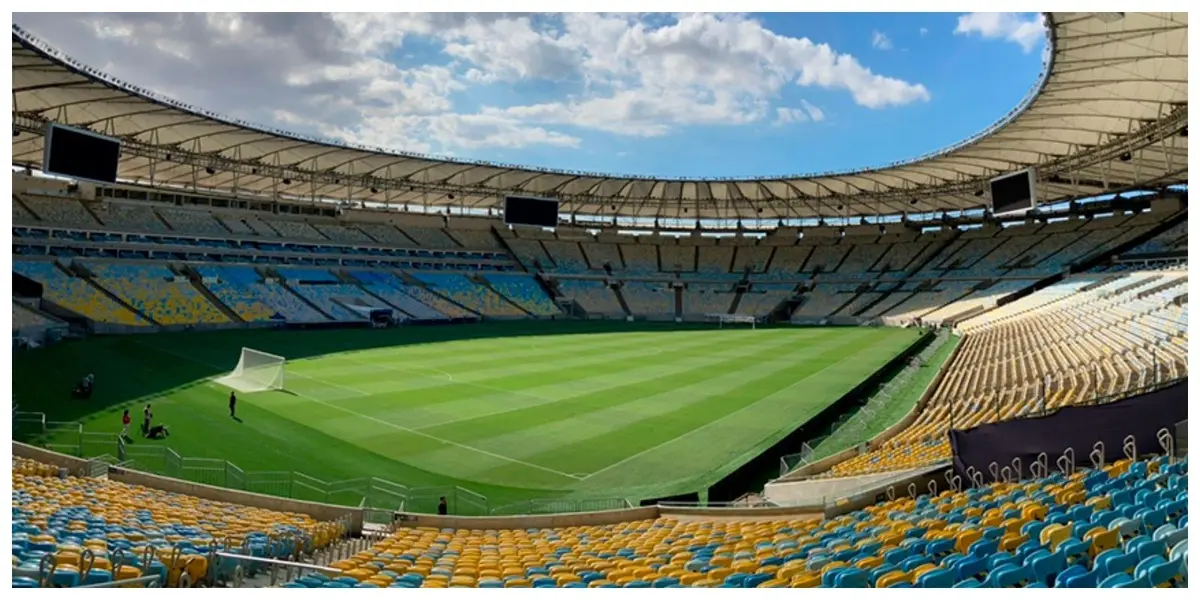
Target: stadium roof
(1108, 113)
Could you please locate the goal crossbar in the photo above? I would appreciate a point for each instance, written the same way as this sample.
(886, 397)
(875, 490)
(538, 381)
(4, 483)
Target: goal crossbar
(256, 371)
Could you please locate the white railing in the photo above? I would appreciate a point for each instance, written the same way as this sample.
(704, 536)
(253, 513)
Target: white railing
(721, 319)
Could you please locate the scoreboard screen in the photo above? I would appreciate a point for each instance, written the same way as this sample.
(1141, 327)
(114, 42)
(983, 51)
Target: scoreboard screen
(80, 154)
(537, 212)
(1014, 192)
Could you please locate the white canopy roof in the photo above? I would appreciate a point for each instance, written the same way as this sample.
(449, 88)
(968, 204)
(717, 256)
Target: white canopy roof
(1107, 115)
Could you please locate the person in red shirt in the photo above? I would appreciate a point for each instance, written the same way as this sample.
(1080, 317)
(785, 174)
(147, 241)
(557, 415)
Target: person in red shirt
(125, 421)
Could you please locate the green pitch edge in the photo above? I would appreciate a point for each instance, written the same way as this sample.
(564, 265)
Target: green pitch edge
(682, 417)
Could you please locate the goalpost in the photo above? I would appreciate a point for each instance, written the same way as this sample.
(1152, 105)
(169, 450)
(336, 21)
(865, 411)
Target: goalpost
(723, 318)
(256, 371)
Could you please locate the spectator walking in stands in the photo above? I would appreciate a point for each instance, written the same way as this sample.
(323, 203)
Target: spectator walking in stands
(232, 405)
(442, 506)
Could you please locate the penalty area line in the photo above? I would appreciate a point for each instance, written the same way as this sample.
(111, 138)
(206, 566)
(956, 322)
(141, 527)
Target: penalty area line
(386, 423)
(439, 439)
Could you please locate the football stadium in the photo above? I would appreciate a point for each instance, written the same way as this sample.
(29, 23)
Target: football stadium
(245, 357)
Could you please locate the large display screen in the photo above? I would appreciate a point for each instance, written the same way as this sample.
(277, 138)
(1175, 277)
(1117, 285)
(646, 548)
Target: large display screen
(80, 154)
(1013, 193)
(538, 212)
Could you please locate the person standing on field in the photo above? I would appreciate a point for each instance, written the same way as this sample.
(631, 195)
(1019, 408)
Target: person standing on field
(232, 405)
(125, 421)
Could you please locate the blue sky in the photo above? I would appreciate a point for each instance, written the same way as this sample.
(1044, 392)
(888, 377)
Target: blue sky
(663, 95)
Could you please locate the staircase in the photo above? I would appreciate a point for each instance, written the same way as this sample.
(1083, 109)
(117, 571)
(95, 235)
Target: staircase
(78, 270)
(737, 299)
(285, 285)
(482, 281)
(351, 280)
(569, 306)
(197, 282)
(18, 201)
(882, 296)
(788, 307)
(163, 220)
(408, 279)
(1100, 282)
(267, 575)
(616, 289)
(852, 296)
(1166, 285)
(87, 206)
(1135, 284)
(917, 265)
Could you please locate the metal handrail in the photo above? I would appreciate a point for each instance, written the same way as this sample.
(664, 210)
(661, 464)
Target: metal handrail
(279, 563)
(149, 580)
(275, 565)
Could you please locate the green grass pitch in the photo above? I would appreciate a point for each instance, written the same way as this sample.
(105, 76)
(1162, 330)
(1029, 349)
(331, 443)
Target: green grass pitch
(510, 410)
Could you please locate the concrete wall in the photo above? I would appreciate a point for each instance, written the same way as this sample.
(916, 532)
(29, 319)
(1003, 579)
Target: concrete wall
(474, 223)
(328, 512)
(876, 442)
(74, 466)
(606, 517)
(749, 514)
(908, 419)
(823, 491)
(900, 487)
(78, 466)
(321, 512)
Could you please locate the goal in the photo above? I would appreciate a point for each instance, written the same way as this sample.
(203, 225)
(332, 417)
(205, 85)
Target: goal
(256, 371)
(722, 319)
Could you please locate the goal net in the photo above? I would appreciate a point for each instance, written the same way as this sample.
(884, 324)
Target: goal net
(723, 319)
(255, 372)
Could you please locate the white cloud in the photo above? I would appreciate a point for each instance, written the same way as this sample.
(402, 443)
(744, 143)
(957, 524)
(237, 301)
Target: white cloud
(1025, 30)
(880, 41)
(785, 116)
(924, 31)
(815, 113)
(806, 112)
(338, 75)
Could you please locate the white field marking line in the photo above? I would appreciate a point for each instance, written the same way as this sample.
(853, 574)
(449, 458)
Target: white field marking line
(452, 380)
(214, 379)
(287, 374)
(350, 356)
(444, 374)
(387, 423)
(545, 400)
(722, 419)
(438, 439)
(656, 352)
(507, 410)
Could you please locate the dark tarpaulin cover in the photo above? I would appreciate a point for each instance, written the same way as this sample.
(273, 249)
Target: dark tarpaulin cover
(1077, 427)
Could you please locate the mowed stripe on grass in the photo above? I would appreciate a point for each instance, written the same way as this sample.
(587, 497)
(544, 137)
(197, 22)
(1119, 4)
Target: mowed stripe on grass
(555, 408)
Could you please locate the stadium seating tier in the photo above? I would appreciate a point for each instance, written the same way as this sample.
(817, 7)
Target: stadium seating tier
(1121, 525)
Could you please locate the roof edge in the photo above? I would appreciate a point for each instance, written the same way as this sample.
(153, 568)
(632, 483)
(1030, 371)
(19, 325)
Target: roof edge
(49, 52)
